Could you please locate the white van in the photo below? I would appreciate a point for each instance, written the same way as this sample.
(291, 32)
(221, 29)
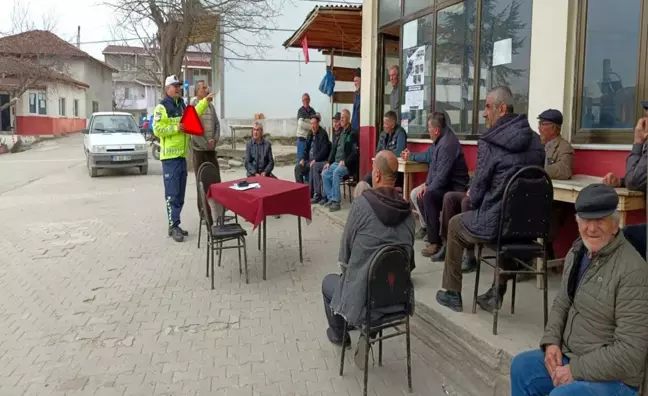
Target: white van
(113, 140)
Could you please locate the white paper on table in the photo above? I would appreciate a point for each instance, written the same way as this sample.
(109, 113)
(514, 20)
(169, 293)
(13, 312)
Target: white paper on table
(248, 187)
(502, 52)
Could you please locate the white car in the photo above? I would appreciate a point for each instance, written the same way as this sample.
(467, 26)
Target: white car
(113, 140)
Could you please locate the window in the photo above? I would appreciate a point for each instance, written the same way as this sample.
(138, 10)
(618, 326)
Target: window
(42, 103)
(416, 71)
(454, 79)
(61, 106)
(95, 107)
(33, 105)
(412, 6)
(608, 76)
(127, 93)
(388, 11)
(505, 52)
(113, 124)
(75, 108)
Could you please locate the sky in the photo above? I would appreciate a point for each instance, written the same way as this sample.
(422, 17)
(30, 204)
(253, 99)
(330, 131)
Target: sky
(272, 88)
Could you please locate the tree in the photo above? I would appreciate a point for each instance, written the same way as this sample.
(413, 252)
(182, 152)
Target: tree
(165, 28)
(21, 70)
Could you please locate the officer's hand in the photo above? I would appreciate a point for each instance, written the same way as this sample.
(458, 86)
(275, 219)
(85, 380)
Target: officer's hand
(181, 127)
(210, 97)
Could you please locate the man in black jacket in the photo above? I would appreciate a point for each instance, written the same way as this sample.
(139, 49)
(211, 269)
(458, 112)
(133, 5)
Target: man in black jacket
(258, 154)
(509, 145)
(342, 161)
(315, 155)
(392, 138)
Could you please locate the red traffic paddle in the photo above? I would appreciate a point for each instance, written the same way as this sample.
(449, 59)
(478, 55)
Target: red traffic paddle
(191, 122)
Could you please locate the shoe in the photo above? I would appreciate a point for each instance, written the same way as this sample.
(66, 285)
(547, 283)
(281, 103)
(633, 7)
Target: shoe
(361, 349)
(177, 235)
(430, 250)
(184, 233)
(325, 202)
(468, 264)
(450, 300)
(440, 255)
(316, 199)
(421, 233)
(334, 206)
(336, 338)
(487, 300)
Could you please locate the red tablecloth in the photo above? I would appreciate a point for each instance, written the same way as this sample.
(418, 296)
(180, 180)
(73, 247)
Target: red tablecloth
(274, 197)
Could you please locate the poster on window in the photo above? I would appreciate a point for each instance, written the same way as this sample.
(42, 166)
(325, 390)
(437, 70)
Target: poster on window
(414, 97)
(415, 68)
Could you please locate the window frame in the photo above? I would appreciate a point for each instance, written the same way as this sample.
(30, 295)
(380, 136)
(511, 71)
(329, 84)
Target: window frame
(41, 95)
(75, 108)
(582, 135)
(95, 109)
(35, 94)
(62, 104)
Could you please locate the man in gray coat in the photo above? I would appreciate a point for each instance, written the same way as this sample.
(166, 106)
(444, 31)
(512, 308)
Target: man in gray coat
(379, 217)
(596, 339)
(204, 147)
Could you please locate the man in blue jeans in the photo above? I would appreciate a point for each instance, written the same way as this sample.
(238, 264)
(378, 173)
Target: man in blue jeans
(596, 339)
(342, 161)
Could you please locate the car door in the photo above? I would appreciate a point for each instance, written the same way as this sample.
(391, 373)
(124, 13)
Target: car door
(86, 137)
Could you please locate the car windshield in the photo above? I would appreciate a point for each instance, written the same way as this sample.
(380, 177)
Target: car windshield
(114, 123)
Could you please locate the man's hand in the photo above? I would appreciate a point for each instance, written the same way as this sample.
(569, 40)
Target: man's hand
(263, 174)
(181, 127)
(420, 193)
(405, 154)
(611, 180)
(641, 131)
(310, 164)
(302, 162)
(210, 97)
(341, 163)
(211, 144)
(562, 376)
(553, 358)
(326, 166)
(468, 193)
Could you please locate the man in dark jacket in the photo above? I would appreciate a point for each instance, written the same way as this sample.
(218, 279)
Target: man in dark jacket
(447, 172)
(258, 154)
(509, 145)
(392, 138)
(318, 148)
(635, 178)
(303, 127)
(342, 161)
(379, 217)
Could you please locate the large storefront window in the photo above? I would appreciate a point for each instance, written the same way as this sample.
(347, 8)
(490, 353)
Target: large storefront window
(388, 11)
(609, 74)
(416, 74)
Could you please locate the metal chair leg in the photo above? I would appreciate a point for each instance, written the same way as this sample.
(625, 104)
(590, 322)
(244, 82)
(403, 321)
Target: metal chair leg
(409, 354)
(514, 279)
(544, 289)
(478, 271)
(247, 278)
(497, 298)
(212, 267)
(366, 362)
(200, 223)
(220, 253)
(380, 334)
(207, 249)
(344, 334)
(238, 242)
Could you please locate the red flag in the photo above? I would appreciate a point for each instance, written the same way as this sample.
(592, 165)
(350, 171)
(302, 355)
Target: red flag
(191, 122)
(305, 48)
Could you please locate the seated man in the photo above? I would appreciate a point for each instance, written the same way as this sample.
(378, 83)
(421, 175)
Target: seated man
(635, 178)
(392, 138)
(378, 218)
(447, 172)
(258, 154)
(455, 202)
(342, 161)
(316, 153)
(507, 146)
(595, 341)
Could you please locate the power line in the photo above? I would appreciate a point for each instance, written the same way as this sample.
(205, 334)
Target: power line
(271, 60)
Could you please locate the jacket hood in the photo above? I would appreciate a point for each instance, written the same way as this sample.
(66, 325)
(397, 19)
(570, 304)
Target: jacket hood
(511, 132)
(388, 205)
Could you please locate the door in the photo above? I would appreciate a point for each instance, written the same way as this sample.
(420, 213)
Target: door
(389, 56)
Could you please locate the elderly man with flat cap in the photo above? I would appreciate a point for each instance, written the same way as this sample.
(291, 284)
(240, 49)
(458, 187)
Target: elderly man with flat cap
(596, 339)
(635, 177)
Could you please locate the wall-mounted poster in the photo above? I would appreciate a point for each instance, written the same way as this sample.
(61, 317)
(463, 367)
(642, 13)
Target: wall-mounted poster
(415, 70)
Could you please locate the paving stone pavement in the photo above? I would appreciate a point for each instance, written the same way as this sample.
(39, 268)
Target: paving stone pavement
(96, 300)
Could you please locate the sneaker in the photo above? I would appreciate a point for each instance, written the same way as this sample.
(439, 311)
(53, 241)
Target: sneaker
(421, 233)
(487, 301)
(176, 234)
(468, 264)
(325, 202)
(334, 206)
(184, 233)
(336, 338)
(430, 250)
(316, 199)
(440, 255)
(450, 299)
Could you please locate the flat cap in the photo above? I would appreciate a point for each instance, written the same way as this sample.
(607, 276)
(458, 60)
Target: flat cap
(596, 201)
(337, 116)
(644, 103)
(551, 115)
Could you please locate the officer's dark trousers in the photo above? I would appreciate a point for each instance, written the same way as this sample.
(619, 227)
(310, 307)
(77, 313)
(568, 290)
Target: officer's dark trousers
(174, 171)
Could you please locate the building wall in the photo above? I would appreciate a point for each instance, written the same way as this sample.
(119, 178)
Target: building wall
(52, 123)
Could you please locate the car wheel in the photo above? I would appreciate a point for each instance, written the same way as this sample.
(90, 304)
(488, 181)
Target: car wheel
(92, 171)
(143, 169)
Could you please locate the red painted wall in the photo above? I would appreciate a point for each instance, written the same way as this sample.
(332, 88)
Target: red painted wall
(367, 148)
(587, 162)
(34, 125)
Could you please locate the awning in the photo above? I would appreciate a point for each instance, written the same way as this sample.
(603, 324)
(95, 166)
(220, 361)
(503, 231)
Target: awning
(336, 29)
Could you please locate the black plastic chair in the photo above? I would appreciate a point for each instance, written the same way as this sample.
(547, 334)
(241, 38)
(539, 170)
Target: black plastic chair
(208, 174)
(389, 288)
(524, 218)
(348, 182)
(220, 233)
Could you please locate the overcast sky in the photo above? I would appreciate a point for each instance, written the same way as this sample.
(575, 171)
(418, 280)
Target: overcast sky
(272, 88)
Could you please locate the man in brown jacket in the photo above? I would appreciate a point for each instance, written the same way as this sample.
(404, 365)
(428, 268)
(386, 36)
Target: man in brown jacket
(596, 339)
(203, 148)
